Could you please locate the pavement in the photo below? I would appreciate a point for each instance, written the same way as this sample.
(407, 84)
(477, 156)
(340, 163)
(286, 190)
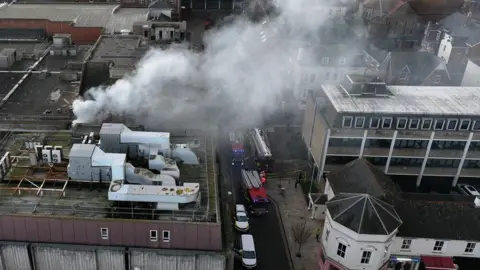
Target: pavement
(293, 208)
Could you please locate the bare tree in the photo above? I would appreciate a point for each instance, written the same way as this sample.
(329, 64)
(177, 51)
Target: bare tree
(300, 233)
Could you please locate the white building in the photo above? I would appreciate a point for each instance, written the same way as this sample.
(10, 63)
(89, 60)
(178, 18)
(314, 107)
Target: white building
(471, 76)
(371, 224)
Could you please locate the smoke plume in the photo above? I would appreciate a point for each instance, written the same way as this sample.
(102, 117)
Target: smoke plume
(240, 78)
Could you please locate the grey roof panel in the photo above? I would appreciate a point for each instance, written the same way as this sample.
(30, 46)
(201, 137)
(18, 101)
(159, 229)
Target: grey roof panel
(82, 150)
(363, 214)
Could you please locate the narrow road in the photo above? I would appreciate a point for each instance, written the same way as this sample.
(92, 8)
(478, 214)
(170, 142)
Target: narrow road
(266, 230)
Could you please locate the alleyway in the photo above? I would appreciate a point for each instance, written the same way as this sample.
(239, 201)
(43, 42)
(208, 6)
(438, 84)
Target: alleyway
(293, 208)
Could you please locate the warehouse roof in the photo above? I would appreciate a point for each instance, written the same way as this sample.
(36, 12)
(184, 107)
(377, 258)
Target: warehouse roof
(425, 100)
(108, 16)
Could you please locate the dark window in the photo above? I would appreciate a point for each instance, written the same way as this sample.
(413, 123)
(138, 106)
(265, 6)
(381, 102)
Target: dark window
(470, 247)
(476, 125)
(341, 250)
(402, 123)
(414, 123)
(426, 124)
(347, 121)
(359, 122)
(452, 124)
(439, 123)
(438, 246)
(387, 122)
(374, 122)
(465, 124)
(366, 255)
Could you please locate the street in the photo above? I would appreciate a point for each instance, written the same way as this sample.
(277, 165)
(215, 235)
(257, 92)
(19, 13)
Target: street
(266, 230)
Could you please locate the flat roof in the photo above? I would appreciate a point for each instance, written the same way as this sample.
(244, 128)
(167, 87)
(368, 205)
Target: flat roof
(83, 200)
(421, 100)
(122, 50)
(108, 16)
(39, 93)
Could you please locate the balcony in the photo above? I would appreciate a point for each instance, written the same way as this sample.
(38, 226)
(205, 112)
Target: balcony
(380, 133)
(346, 133)
(470, 172)
(418, 135)
(437, 171)
(473, 155)
(404, 170)
(380, 152)
(343, 151)
(409, 152)
(445, 153)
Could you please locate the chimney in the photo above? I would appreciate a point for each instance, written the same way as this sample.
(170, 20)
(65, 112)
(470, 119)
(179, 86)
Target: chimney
(477, 202)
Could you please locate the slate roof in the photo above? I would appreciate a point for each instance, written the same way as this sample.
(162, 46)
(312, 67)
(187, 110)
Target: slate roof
(360, 176)
(420, 65)
(363, 214)
(458, 27)
(423, 215)
(439, 217)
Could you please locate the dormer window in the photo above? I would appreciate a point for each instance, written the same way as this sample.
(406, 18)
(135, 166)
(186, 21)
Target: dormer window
(403, 76)
(342, 60)
(325, 60)
(437, 79)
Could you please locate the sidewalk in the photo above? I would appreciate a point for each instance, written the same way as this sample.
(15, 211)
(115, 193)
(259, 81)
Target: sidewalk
(293, 208)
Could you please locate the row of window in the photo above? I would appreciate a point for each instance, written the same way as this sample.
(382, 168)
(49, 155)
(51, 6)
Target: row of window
(153, 235)
(439, 246)
(312, 77)
(403, 144)
(451, 124)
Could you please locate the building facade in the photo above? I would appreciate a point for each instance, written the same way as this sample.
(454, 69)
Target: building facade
(415, 242)
(404, 130)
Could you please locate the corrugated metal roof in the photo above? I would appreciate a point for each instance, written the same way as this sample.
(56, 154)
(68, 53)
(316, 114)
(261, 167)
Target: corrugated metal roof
(80, 15)
(82, 150)
(110, 259)
(14, 256)
(426, 100)
(50, 258)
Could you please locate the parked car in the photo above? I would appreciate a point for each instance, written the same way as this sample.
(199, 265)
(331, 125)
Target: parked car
(241, 218)
(468, 190)
(247, 253)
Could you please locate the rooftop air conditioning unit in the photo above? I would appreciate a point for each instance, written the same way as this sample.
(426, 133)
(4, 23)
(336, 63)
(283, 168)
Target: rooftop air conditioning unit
(46, 156)
(56, 156)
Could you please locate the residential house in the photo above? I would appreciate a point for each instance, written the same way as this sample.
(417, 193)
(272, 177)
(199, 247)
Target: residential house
(395, 25)
(414, 68)
(471, 77)
(371, 224)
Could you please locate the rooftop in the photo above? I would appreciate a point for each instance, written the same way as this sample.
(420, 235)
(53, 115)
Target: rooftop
(420, 213)
(460, 25)
(363, 213)
(422, 100)
(68, 198)
(107, 16)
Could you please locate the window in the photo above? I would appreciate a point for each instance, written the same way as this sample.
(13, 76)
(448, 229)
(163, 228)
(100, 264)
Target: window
(153, 235)
(374, 122)
(342, 60)
(470, 247)
(366, 257)
(437, 79)
(406, 244)
(476, 125)
(325, 60)
(426, 124)
(439, 123)
(341, 250)
(359, 122)
(402, 123)
(465, 124)
(452, 124)
(347, 121)
(335, 76)
(104, 233)
(438, 246)
(414, 123)
(166, 236)
(403, 76)
(327, 233)
(312, 77)
(387, 122)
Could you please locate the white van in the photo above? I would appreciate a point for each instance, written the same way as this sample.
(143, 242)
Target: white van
(249, 257)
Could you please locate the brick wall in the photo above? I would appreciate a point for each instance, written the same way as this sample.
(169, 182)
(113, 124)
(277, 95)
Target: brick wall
(80, 35)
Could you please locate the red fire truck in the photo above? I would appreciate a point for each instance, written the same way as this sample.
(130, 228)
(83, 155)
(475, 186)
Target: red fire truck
(255, 192)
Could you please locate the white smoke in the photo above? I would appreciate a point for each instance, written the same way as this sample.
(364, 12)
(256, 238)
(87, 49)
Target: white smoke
(241, 75)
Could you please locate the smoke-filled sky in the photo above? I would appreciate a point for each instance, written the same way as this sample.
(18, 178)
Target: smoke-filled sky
(240, 75)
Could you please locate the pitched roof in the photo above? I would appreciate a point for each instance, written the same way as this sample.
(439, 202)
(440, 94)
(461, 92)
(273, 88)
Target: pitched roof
(420, 65)
(161, 4)
(434, 10)
(383, 5)
(439, 217)
(363, 214)
(360, 176)
(459, 25)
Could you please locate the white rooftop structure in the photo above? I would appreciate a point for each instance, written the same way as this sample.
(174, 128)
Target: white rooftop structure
(421, 100)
